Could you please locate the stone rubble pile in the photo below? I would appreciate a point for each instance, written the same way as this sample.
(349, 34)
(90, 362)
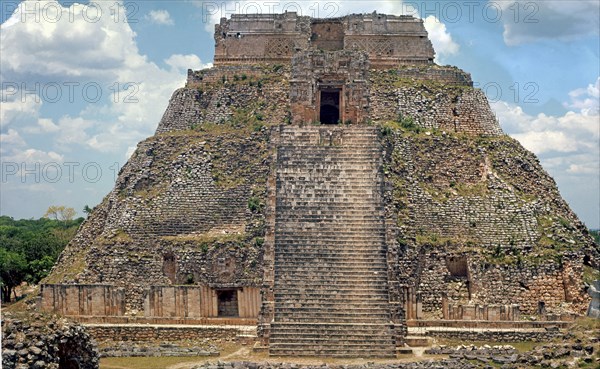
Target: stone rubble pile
(461, 357)
(37, 342)
(130, 349)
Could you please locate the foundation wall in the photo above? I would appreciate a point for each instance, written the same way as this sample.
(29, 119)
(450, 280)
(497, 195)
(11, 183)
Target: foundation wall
(169, 302)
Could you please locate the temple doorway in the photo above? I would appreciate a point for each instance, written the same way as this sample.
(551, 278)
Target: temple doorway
(330, 106)
(227, 303)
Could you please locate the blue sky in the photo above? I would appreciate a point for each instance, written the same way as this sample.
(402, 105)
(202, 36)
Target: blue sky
(83, 83)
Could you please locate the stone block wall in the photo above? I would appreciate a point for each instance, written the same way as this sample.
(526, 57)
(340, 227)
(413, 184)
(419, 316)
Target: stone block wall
(434, 98)
(179, 214)
(229, 93)
(74, 300)
(255, 38)
(196, 302)
(140, 333)
(274, 38)
(178, 303)
(388, 40)
(482, 312)
(466, 198)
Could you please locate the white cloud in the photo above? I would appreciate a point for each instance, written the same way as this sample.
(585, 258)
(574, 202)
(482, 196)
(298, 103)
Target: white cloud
(182, 63)
(47, 125)
(583, 168)
(441, 39)
(566, 144)
(535, 20)
(30, 156)
(15, 108)
(135, 91)
(572, 132)
(12, 137)
(586, 99)
(72, 46)
(161, 17)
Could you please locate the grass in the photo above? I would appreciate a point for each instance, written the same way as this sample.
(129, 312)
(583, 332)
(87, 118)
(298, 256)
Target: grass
(146, 362)
(71, 269)
(590, 274)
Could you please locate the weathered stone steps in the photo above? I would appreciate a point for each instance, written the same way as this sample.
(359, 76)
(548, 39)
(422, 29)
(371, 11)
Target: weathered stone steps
(330, 254)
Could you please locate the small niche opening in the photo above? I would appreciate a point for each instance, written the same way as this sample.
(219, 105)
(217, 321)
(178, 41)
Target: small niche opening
(457, 266)
(541, 310)
(169, 266)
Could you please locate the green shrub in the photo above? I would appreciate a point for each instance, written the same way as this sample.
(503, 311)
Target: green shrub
(254, 204)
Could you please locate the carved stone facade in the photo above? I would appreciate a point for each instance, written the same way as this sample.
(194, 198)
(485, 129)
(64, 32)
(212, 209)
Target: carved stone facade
(388, 40)
(330, 87)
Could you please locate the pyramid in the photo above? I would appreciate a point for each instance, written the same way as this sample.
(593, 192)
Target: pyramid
(327, 182)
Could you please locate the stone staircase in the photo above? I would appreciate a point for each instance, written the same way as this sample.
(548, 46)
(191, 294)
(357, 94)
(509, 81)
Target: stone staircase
(331, 286)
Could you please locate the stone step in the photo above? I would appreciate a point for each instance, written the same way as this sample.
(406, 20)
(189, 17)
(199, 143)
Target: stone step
(334, 218)
(316, 136)
(336, 194)
(301, 142)
(311, 242)
(371, 289)
(361, 148)
(332, 211)
(374, 285)
(328, 341)
(313, 245)
(300, 317)
(316, 265)
(379, 311)
(324, 271)
(378, 300)
(286, 283)
(319, 165)
(309, 161)
(357, 251)
(335, 296)
(332, 275)
(339, 202)
(375, 229)
(358, 248)
(329, 176)
(327, 213)
(317, 337)
(289, 276)
(330, 251)
(335, 352)
(335, 185)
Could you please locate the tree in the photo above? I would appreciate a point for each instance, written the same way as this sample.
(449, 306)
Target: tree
(87, 210)
(57, 212)
(13, 269)
(39, 269)
(29, 248)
